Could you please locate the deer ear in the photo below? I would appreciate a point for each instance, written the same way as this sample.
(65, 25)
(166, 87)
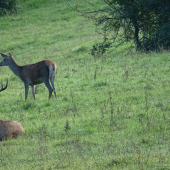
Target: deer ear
(10, 55)
(3, 55)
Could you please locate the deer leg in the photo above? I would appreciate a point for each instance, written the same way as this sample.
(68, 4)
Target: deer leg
(26, 90)
(33, 91)
(49, 88)
(1, 137)
(52, 83)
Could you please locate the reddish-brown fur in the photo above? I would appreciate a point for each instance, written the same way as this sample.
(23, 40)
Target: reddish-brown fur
(39, 71)
(10, 129)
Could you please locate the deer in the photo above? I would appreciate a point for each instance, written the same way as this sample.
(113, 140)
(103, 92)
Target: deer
(3, 88)
(10, 129)
(33, 74)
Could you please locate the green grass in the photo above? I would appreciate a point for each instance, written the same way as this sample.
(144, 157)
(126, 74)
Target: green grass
(110, 112)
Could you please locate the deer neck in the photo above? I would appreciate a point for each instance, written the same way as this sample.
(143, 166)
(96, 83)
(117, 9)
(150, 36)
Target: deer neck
(16, 69)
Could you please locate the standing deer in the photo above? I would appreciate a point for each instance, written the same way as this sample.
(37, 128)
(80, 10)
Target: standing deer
(3, 88)
(32, 74)
(10, 129)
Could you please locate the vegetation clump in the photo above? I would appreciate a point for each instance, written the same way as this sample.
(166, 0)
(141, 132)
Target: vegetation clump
(144, 23)
(8, 7)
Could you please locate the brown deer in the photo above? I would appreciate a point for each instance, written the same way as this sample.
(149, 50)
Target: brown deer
(32, 74)
(3, 88)
(10, 129)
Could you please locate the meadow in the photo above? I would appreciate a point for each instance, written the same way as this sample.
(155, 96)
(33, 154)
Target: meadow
(111, 112)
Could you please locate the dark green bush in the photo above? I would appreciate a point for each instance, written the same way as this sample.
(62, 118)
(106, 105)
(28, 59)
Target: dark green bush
(143, 23)
(7, 7)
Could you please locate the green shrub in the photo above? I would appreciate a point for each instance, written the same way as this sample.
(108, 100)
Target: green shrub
(8, 7)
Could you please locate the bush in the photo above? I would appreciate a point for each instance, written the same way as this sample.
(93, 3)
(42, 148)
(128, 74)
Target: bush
(8, 7)
(144, 23)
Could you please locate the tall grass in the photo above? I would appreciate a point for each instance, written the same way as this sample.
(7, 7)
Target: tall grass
(110, 113)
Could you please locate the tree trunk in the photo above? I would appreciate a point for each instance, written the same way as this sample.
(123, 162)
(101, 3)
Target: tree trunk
(136, 38)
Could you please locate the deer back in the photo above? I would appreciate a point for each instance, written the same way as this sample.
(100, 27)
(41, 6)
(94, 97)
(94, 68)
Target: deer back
(35, 73)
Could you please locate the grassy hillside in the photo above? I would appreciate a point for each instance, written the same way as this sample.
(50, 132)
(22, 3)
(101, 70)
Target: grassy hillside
(110, 112)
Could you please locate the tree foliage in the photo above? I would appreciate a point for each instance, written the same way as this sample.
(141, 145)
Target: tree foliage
(146, 22)
(7, 7)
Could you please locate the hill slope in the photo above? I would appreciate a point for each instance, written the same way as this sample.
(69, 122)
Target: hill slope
(110, 112)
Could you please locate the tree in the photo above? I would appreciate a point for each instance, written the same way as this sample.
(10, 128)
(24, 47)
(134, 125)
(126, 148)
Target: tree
(147, 22)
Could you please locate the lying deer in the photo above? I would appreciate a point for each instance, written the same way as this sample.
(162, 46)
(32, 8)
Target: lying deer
(32, 74)
(10, 129)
